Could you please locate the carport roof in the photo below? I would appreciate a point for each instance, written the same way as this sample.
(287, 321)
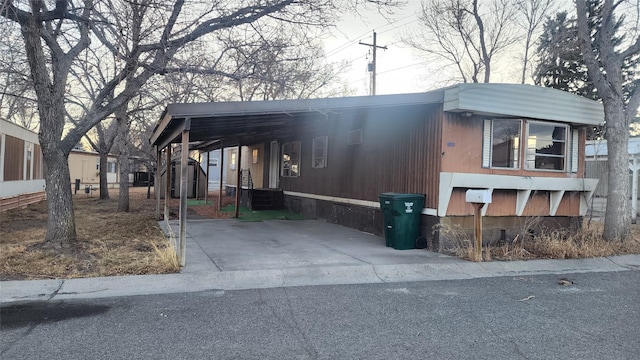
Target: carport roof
(214, 124)
(245, 122)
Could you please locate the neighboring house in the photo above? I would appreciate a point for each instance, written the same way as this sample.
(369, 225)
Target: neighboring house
(597, 163)
(85, 166)
(21, 169)
(331, 158)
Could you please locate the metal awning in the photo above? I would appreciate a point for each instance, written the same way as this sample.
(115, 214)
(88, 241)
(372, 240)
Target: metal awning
(242, 123)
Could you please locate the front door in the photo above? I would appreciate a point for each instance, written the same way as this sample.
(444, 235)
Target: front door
(274, 165)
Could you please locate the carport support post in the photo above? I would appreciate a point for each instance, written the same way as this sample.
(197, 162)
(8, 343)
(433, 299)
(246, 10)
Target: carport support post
(184, 172)
(221, 172)
(206, 178)
(156, 185)
(477, 217)
(238, 181)
(167, 185)
(197, 175)
(634, 166)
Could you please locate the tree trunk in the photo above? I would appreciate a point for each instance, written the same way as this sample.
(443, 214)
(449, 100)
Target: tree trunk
(104, 190)
(123, 159)
(617, 221)
(123, 198)
(61, 226)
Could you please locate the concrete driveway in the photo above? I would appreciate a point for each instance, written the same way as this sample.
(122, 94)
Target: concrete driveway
(233, 245)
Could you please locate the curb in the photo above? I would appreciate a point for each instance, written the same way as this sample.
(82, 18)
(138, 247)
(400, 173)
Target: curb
(90, 288)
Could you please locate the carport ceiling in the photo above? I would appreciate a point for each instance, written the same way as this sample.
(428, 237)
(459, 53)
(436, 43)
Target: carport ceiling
(214, 125)
(211, 131)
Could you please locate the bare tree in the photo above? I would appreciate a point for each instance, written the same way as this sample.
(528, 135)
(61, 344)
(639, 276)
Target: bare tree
(54, 36)
(17, 101)
(534, 12)
(604, 67)
(466, 34)
(283, 63)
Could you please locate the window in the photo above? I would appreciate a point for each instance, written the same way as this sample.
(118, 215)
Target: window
(319, 152)
(291, 159)
(232, 166)
(502, 143)
(28, 168)
(546, 146)
(112, 166)
(254, 156)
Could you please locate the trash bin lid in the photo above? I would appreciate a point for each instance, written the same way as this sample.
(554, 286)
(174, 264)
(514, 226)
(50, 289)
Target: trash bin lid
(400, 196)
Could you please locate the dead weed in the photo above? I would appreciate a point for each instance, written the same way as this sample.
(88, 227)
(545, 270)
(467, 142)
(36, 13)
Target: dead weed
(558, 244)
(109, 242)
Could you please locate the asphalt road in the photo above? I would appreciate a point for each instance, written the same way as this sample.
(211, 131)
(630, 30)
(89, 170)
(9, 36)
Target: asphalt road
(531, 317)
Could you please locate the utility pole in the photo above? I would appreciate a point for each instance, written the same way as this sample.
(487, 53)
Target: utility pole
(372, 66)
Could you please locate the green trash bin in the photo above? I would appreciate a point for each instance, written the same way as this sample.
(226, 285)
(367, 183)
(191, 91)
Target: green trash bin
(401, 214)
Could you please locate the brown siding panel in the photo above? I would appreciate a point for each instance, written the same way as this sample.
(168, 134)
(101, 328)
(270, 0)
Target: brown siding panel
(37, 162)
(399, 153)
(14, 159)
(570, 204)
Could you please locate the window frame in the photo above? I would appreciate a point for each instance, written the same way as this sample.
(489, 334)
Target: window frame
(567, 143)
(112, 165)
(487, 145)
(324, 142)
(286, 171)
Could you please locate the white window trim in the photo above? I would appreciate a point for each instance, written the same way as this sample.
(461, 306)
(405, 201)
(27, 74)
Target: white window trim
(567, 140)
(324, 141)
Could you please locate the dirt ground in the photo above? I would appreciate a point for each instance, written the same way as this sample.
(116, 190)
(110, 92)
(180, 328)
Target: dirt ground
(109, 242)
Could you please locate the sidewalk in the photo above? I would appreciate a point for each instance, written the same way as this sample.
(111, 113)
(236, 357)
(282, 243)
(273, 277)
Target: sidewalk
(228, 255)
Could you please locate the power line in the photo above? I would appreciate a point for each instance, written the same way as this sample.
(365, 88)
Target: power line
(402, 67)
(350, 41)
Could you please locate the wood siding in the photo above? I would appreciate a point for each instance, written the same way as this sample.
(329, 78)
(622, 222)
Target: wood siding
(13, 159)
(21, 200)
(38, 167)
(399, 152)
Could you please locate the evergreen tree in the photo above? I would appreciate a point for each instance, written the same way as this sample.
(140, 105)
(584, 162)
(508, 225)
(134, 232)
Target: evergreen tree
(561, 64)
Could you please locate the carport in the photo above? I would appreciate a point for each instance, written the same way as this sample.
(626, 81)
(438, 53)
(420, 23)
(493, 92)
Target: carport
(210, 126)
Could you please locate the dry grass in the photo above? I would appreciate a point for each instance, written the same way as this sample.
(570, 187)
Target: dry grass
(559, 244)
(109, 243)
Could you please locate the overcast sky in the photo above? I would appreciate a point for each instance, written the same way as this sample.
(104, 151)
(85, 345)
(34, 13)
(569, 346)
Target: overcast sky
(399, 69)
